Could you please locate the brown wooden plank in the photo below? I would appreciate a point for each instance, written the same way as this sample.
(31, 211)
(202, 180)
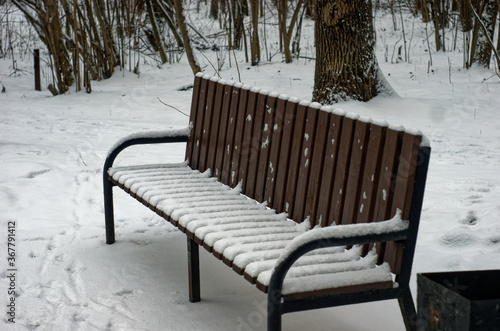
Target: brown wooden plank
(403, 193)
(284, 156)
(215, 131)
(339, 290)
(231, 134)
(295, 155)
(331, 291)
(371, 174)
(193, 115)
(223, 129)
(384, 191)
(207, 124)
(144, 202)
(266, 145)
(277, 134)
(238, 136)
(305, 164)
(256, 148)
(355, 176)
(198, 126)
(405, 178)
(317, 162)
(248, 141)
(328, 174)
(341, 168)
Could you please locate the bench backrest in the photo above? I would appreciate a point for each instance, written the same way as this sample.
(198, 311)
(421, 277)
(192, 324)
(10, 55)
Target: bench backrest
(303, 159)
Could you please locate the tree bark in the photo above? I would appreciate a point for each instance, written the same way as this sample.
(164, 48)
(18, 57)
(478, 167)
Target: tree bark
(286, 33)
(167, 11)
(484, 47)
(157, 39)
(345, 58)
(255, 44)
(181, 21)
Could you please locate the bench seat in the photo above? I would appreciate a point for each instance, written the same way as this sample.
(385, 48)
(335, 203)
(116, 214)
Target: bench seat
(245, 234)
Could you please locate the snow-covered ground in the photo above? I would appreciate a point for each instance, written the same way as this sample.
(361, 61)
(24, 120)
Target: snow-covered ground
(51, 154)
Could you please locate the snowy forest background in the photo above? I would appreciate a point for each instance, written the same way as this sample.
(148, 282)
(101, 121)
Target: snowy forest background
(132, 58)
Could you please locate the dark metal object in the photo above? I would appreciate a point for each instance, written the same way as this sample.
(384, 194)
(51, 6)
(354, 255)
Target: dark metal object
(36, 58)
(193, 270)
(108, 163)
(277, 305)
(459, 301)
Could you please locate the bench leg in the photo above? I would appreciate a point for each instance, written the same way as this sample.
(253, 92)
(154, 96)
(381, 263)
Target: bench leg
(273, 311)
(408, 310)
(194, 270)
(108, 211)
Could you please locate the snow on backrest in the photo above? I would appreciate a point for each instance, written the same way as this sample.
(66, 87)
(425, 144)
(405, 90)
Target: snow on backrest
(312, 162)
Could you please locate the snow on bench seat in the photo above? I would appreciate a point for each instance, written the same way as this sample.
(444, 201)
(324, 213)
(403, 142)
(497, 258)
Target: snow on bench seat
(244, 234)
(316, 276)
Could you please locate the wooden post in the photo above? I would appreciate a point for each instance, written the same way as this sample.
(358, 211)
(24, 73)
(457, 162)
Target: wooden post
(36, 58)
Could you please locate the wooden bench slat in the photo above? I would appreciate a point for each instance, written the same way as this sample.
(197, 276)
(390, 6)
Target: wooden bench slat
(229, 146)
(386, 176)
(207, 124)
(223, 130)
(341, 168)
(214, 131)
(278, 200)
(212, 238)
(238, 137)
(385, 193)
(317, 163)
(305, 163)
(294, 159)
(339, 291)
(404, 183)
(332, 275)
(217, 216)
(221, 245)
(277, 134)
(265, 148)
(328, 173)
(255, 149)
(197, 133)
(320, 256)
(193, 114)
(355, 177)
(370, 174)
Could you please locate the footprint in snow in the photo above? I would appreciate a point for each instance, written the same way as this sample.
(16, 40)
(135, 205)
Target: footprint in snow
(126, 293)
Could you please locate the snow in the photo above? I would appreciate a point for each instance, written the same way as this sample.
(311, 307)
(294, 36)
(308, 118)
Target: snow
(344, 231)
(52, 150)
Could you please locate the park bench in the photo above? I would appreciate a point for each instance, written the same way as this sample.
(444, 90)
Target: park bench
(315, 206)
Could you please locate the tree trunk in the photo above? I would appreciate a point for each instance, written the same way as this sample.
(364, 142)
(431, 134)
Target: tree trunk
(286, 33)
(158, 45)
(167, 13)
(108, 42)
(484, 48)
(55, 41)
(345, 58)
(181, 21)
(214, 9)
(498, 42)
(255, 44)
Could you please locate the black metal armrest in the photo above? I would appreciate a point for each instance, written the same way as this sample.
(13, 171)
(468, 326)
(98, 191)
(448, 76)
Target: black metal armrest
(144, 138)
(341, 235)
